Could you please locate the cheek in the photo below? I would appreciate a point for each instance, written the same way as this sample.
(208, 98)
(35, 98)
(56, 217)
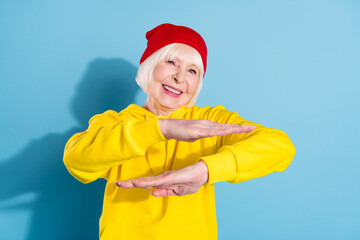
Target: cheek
(154, 89)
(193, 86)
(160, 72)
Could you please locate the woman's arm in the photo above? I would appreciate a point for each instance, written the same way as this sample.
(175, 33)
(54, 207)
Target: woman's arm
(242, 157)
(109, 141)
(244, 153)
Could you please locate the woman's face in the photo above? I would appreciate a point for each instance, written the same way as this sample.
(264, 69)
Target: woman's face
(174, 82)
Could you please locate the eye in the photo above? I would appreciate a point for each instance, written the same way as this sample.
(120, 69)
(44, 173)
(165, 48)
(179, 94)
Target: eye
(192, 71)
(171, 62)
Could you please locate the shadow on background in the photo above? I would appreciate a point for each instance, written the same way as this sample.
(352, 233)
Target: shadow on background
(65, 208)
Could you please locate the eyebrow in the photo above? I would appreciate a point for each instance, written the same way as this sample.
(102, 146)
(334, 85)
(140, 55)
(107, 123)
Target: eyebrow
(193, 65)
(178, 59)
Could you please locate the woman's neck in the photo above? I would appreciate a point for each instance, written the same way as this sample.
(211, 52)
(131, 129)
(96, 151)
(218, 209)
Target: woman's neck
(157, 109)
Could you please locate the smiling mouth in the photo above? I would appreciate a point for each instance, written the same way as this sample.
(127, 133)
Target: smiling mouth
(177, 92)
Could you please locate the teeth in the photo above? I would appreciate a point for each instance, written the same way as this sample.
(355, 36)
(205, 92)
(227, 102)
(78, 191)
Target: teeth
(171, 90)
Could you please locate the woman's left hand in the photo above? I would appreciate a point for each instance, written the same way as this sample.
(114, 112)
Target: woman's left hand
(179, 182)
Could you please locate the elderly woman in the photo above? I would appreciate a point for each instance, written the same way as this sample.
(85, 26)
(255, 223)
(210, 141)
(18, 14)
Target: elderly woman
(161, 160)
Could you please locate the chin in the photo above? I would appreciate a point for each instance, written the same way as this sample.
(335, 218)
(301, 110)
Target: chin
(170, 103)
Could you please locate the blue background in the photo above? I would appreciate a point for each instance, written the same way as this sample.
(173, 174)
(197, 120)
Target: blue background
(291, 65)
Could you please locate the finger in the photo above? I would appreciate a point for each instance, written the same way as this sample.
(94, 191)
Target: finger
(130, 183)
(162, 192)
(232, 129)
(246, 128)
(242, 128)
(124, 184)
(239, 129)
(222, 125)
(222, 132)
(226, 126)
(153, 182)
(147, 184)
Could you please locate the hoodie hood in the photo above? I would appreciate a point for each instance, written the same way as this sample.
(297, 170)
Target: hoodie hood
(138, 112)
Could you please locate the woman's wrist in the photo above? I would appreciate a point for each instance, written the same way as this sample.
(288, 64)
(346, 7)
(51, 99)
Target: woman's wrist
(162, 127)
(204, 172)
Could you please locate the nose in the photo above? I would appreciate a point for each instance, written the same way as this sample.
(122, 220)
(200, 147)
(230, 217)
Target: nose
(179, 77)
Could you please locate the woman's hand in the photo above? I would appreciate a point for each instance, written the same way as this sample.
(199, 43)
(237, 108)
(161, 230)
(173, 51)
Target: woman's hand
(191, 130)
(179, 182)
(187, 180)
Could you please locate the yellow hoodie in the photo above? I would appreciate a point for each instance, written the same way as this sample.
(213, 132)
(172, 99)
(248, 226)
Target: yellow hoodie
(129, 144)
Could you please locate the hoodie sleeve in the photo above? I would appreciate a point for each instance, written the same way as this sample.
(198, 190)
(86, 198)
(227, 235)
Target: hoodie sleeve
(245, 156)
(109, 141)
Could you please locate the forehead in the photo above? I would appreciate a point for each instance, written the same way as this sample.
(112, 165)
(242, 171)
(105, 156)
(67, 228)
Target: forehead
(184, 53)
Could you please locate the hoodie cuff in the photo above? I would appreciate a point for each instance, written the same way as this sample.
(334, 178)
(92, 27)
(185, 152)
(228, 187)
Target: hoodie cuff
(221, 167)
(147, 133)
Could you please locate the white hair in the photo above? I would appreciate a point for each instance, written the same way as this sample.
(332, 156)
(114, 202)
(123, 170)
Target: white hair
(145, 72)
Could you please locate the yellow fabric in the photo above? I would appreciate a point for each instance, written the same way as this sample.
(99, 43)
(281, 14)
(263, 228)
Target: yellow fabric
(129, 144)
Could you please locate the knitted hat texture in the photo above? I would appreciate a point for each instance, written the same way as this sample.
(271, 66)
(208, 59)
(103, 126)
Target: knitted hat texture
(167, 33)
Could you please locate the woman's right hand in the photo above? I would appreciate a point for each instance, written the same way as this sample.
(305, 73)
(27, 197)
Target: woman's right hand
(190, 130)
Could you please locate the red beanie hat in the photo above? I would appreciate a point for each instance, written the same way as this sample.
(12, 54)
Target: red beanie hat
(167, 33)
